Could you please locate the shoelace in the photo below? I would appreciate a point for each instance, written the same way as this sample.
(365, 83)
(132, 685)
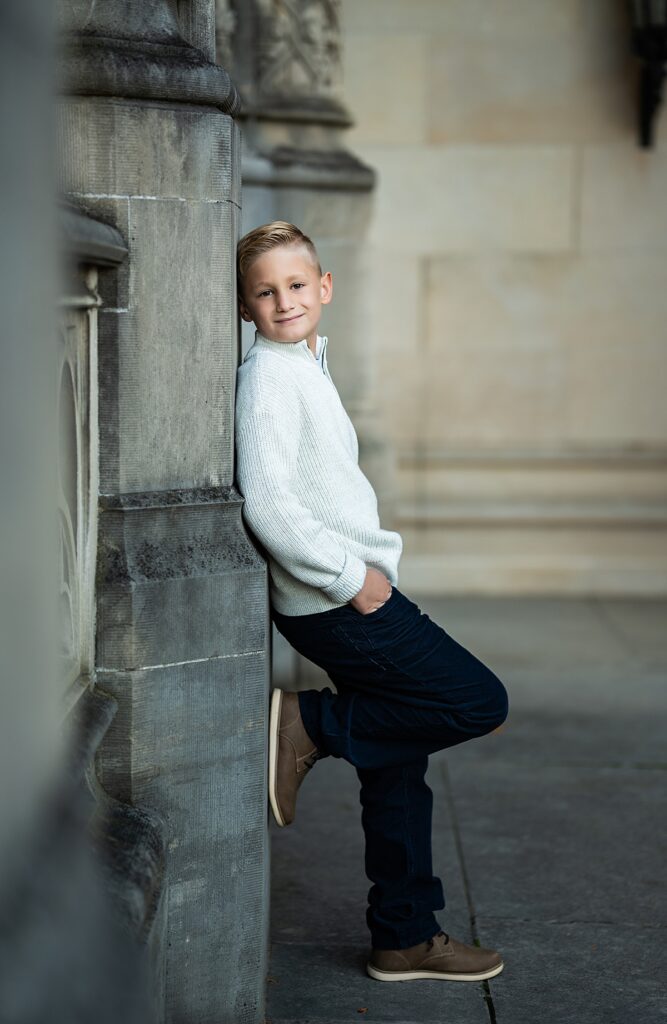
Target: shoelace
(312, 758)
(430, 941)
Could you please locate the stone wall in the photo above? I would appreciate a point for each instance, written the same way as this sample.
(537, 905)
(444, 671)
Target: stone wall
(149, 144)
(517, 264)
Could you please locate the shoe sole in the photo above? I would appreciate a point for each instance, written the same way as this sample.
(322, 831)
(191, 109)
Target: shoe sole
(437, 975)
(274, 726)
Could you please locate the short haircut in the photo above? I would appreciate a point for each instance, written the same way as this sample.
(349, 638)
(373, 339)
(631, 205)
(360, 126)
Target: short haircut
(267, 237)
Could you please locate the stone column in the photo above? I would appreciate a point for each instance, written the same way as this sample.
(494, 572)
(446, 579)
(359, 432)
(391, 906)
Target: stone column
(286, 60)
(149, 144)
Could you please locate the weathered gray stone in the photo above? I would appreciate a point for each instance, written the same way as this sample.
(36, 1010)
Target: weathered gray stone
(166, 179)
(188, 741)
(286, 60)
(182, 645)
(137, 50)
(150, 150)
(147, 143)
(187, 558)
(90, 241)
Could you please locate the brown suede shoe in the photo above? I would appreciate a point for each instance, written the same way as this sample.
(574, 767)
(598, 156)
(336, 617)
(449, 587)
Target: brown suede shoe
(292, 754)
(440, 957)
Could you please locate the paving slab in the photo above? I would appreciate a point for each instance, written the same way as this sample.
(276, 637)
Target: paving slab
(564, 844)
(578, 973)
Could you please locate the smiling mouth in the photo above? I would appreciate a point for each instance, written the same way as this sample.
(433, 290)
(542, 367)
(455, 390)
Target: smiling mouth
(289, 319)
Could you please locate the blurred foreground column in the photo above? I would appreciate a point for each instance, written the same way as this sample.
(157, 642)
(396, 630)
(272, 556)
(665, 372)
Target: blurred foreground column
(149, 145)
(70, 915)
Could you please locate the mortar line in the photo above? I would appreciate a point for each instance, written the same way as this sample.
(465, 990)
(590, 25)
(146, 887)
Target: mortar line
(110, 671)
(488, 998)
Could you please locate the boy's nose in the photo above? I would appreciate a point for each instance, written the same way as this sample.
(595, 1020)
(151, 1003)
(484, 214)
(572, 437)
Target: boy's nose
(284, 302)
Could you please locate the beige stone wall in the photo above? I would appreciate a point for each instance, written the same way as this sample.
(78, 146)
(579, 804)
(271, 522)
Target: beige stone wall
(518, 255)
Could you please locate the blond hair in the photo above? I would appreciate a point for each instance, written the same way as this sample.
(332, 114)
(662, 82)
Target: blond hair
(266, 237)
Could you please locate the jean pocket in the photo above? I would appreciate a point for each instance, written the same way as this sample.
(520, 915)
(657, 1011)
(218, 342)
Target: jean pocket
(353, 636)
(367, 634)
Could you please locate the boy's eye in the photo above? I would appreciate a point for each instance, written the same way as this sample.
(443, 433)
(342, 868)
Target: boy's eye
(267, 291)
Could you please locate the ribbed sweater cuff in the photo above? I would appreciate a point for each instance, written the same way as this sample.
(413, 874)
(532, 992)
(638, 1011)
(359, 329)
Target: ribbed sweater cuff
(349, 581)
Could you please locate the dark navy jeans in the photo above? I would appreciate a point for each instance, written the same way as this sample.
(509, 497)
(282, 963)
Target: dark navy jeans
(405, 688)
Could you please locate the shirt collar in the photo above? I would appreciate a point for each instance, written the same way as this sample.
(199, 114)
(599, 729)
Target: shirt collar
(293, 349)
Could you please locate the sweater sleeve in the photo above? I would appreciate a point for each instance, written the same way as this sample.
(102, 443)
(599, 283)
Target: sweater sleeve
(301, 543)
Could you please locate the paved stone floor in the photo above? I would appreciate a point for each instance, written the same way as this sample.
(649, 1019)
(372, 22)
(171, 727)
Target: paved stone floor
(549, 836)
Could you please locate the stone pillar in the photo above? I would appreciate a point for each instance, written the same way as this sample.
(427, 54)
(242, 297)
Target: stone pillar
(149, 144)
(286, 60)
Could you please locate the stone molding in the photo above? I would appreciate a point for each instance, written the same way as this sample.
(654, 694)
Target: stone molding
(289, 167)
(133, 500)
(164, 539)
(130, 841)
(188, 550)
(87, 240)
(299, 49)
(85, 244)
(286, 58)
(94, 66)
(138, 51)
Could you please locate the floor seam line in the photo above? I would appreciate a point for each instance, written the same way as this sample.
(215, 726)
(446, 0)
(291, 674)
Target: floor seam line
(458, 843)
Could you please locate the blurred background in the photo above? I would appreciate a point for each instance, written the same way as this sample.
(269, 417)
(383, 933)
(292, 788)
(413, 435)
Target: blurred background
(504, 281)
(487, 182)
(516, 269)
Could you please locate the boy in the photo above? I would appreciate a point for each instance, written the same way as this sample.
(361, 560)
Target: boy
(405, 688)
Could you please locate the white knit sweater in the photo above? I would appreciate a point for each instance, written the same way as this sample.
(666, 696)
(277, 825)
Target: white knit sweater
(297, 465)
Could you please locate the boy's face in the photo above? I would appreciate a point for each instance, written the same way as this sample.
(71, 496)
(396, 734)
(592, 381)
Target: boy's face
(284, 294)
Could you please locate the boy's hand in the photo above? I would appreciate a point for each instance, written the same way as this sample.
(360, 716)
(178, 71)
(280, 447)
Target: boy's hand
(375, 591)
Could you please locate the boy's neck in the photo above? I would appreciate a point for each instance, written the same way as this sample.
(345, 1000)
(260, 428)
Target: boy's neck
(312, 341)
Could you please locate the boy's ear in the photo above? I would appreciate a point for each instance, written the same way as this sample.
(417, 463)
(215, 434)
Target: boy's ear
(243, 310)
(326, 288)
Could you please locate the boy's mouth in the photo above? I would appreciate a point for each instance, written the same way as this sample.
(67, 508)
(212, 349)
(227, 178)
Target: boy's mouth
(289, 319)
